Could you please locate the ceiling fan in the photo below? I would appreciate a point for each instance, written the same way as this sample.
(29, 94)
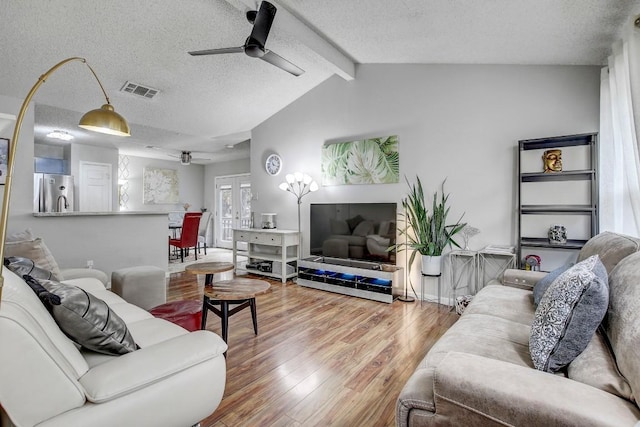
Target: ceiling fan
(184, 156)
(254, 45)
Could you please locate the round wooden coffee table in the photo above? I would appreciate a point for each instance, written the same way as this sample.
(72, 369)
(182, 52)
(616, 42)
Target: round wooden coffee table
(240, 292)
(208, 269)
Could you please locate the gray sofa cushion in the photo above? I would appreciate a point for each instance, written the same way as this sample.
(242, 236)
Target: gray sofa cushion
(623, 319)
(505, 302)
(596, 366)
(568, 315)
(496, 324)
(610, 247)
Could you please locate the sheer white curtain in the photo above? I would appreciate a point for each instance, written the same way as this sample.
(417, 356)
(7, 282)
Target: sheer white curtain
(619, 125)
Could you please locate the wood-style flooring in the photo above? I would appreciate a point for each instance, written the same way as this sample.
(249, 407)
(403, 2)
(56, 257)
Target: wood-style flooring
(319, 359)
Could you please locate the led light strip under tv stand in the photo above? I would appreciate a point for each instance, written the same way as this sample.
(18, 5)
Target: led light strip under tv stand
(364, 279)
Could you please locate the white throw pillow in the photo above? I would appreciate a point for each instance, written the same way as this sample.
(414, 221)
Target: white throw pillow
(20, 236)
(36, 251)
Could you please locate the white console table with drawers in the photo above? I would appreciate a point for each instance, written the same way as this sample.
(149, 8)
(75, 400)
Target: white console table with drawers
(277, 247)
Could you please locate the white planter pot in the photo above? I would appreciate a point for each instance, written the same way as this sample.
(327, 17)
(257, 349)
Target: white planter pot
(431, 265)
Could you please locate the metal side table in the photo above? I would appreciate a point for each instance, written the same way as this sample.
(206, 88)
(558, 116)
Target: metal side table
(492, 264)
(463, 272)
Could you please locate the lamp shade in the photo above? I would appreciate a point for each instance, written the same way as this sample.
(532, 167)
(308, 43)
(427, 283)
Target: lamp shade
(105, 120)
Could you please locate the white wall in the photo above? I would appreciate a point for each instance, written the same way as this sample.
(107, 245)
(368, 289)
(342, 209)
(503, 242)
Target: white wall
(459, 122)
(111, 242)
(190, 178)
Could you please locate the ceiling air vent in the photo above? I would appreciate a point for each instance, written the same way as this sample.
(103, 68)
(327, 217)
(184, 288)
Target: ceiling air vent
(136, 89)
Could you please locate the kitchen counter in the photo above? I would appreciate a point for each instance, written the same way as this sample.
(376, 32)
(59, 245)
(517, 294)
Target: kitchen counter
(119, 213)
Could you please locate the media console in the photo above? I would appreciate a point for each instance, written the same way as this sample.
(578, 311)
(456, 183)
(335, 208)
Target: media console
(370, 280)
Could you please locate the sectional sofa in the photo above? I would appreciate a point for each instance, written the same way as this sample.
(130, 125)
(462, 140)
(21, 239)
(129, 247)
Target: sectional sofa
(481, 371)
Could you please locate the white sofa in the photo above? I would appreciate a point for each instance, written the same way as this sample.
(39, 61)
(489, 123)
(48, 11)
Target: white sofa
(175, 378)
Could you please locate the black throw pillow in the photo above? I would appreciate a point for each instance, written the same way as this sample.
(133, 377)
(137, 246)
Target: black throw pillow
(84, 318)
(25, 266)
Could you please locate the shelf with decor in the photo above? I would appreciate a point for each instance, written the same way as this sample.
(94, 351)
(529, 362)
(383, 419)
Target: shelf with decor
(586, 175)
(270, 252)
(557, 197)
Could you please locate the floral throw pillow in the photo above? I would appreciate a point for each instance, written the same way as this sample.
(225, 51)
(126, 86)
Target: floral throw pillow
(568, 315)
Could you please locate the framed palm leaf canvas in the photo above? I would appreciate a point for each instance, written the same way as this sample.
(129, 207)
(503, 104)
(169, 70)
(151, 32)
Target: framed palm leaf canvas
(367, 161)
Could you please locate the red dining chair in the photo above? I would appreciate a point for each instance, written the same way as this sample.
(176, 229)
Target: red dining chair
(189, 235)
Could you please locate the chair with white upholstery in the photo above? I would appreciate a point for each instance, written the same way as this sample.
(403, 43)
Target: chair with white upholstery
(203, 231)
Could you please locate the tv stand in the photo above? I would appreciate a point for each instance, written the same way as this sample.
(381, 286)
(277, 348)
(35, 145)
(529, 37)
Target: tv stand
(370, 280)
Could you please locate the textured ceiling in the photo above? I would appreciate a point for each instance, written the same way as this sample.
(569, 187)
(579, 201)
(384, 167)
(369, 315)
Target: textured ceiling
(208, 102)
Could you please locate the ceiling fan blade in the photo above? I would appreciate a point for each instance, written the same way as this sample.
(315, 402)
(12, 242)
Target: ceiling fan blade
(239, 49)
(262, 24)
(275, 59)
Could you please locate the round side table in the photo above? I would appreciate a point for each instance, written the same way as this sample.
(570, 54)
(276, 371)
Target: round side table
(208, 269)
(240, 292)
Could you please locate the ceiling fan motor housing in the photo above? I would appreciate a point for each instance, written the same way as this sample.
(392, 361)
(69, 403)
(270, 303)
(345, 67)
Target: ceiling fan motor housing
(253, 48)
(185, 158)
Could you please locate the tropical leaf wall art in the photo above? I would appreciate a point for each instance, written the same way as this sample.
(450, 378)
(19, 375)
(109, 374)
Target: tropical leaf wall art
(367, 161)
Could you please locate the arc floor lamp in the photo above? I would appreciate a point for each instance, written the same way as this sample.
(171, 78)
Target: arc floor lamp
(103, 120)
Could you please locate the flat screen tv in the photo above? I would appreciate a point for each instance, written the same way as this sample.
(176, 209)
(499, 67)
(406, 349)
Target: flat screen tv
(359, 231)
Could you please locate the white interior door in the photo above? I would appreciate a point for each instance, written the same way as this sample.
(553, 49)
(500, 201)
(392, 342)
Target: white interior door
(95, 187)
(233, 207)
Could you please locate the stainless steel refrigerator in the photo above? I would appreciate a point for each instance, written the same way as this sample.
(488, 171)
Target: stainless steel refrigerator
(52, 193)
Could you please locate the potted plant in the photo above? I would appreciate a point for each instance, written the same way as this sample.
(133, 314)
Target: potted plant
(427, 233)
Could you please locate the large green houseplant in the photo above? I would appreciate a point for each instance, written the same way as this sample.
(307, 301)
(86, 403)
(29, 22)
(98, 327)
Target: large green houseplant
(427, 233)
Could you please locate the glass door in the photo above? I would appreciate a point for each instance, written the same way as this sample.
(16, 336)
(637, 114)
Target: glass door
(233, 207)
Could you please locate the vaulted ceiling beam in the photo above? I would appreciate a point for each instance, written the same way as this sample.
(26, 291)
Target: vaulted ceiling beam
(339, 62)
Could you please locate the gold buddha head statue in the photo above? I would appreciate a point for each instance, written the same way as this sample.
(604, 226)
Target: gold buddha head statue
(552, 160)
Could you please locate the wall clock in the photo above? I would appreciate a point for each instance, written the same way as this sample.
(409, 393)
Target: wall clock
(273, 164)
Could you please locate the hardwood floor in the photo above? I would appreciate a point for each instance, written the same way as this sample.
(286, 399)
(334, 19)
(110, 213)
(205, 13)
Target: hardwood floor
(320, 358)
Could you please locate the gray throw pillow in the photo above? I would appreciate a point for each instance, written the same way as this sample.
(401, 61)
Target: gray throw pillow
(569, 313)
(86, 319)
(541, 286)
(26, 267)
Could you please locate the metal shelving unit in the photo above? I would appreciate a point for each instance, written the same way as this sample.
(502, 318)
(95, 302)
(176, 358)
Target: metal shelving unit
(581, 172)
